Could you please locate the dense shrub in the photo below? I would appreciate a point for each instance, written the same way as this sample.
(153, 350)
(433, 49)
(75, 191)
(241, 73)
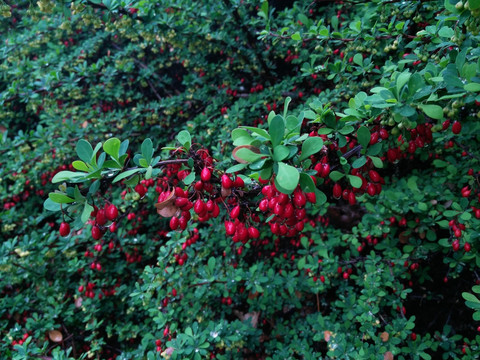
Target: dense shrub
(235, 179)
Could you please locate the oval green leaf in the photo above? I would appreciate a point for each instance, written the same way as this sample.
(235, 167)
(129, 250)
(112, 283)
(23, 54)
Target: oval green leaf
(287, 177)
(311, 146)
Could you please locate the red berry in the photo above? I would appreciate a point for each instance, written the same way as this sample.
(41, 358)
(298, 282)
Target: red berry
(174, 223)
(227, 183)
(113, 227)
(111, 212)
(374, 176)
(337, 191)
(253, 233)
(235, 212)
(64, 229)
(467, 247)
(299, 199)
(96, 233)
(446, 125)
(456, 245)
(413, 336)
(205, 175)
(141, 190)
(230, 228)
(239, 183)
(199, 206)
(101, 217)
(456, 127)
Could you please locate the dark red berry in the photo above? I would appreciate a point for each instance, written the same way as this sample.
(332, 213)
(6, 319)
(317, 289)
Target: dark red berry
(64, 229)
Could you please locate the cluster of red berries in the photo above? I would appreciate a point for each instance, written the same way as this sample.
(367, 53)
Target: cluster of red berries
(22, 340)
(287, 211)
(102, 216)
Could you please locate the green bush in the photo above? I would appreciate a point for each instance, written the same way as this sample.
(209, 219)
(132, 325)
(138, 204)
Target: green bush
(239, 179)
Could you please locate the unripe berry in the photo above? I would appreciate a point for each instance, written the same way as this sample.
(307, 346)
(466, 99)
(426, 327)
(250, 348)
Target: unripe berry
(64, 229)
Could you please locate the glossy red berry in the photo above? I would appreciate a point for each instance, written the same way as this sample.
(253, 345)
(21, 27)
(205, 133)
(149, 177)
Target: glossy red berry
(64, 229)
(227, 183)
(111, 212)
(456, 127)
(467, 247)
(235, 212)
(141, 190)
(230, 228)
(337, 191)
(205, 175)
(174, 223)
(96, 233)
(101, 217)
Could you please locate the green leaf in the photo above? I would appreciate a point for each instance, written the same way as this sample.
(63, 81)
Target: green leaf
(60, 198)
(377, 162)
(147, 150)
(185, 139)
(472, 87)
(125, 174)
(84, 150)
(87, 210)
(80, 165)
(276, 130)
(287, 177)
(50, 205)
(280, 152)
(241, 137)
(363, 136)
(474, 4)
(402, 79)
(311, 146)
(355, 181)
(470, 297)
(358, 163)
(248, 155)
(112, 147)
(189, 179)
(285, 106)
(306, 183)
(71, 176)
(236, 168)
(433, 111)
(296, 36)
(336, 175)
(263, 133)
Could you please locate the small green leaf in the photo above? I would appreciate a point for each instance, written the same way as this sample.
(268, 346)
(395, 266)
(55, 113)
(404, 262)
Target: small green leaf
(355, 181)
(296, 36)
(306, 183)
(472, 87)
(60, 198)
(189, 179)
(80, 165)
(148, 173)
(50, 205)
(236, 168)
(336, 175)
(470, 297)
(125, 174)
(433, 111)
(248, 155)
(358, 163)
(147, 150)
(263, 133)
(285, 107)
(377, 162)
(84, 150)
(311, 146)
(363, 136)
(280, 152)
(287, 177)
(185, 139)
(276, 130)
(87, 210)
(112, 147)
(70, 176)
